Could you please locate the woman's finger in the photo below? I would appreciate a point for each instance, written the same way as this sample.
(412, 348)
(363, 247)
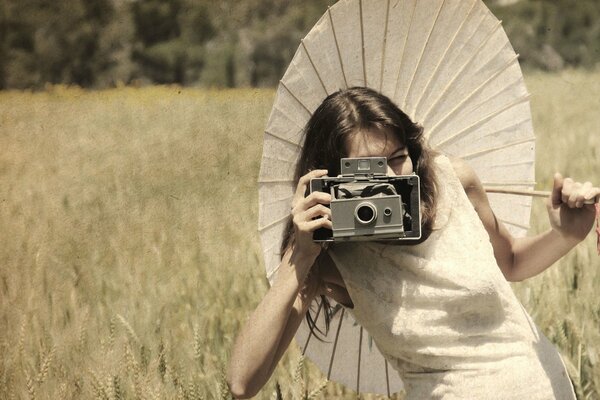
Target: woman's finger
(312, 200)
(591, 195)
(304, 182)
(557, 189)
(566, 190)
(316, 211)
(574, 195)
(312, 225)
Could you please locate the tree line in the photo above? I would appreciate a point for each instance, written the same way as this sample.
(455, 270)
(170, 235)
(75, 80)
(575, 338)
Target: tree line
(228, 43)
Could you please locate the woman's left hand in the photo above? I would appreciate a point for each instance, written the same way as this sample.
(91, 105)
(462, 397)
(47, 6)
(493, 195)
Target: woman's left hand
(568, 214)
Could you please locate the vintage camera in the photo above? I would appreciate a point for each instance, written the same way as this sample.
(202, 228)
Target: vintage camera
(367, 204)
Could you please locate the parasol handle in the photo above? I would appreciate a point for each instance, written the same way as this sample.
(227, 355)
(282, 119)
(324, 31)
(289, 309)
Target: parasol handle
(532, 193)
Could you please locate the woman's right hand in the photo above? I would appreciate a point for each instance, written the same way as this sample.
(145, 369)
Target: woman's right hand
(310, 213)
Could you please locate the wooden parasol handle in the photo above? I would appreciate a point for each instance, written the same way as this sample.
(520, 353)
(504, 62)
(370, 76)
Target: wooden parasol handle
(532, 193)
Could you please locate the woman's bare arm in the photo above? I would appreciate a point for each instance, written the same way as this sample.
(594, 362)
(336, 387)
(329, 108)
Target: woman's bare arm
(266, 334)
(522, 258)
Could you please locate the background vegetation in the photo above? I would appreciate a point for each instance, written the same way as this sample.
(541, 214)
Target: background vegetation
(228, 43)
(130, 255)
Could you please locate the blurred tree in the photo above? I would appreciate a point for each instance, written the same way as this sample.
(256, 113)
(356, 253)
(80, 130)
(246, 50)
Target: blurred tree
(170, 37)
(224, 43)
(552, 34)
(56, 42)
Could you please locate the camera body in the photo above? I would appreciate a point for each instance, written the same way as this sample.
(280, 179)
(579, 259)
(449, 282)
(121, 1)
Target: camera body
(367, 204)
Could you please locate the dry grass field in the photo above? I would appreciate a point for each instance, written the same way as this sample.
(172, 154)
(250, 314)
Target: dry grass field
(130, 255)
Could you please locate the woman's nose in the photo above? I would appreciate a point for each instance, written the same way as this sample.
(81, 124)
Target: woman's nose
(390, 171)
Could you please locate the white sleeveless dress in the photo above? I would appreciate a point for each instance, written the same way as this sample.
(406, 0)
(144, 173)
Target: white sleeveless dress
(443, 315)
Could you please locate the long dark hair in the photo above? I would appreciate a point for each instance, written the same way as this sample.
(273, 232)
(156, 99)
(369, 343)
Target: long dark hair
(342, 114)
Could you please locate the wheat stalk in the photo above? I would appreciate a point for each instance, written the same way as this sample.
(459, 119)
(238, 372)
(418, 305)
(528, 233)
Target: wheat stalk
(129, 329)
(43, 373)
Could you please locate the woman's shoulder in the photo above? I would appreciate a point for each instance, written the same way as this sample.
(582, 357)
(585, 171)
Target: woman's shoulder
(465, 173)
(468, 179)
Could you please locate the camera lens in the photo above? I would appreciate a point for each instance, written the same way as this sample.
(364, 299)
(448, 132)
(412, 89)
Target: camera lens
(365, 213)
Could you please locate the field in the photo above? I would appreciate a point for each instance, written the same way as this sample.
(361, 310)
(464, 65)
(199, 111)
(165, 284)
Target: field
(130, 255)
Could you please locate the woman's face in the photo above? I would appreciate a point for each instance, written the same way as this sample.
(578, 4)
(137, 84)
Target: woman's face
(380, 143)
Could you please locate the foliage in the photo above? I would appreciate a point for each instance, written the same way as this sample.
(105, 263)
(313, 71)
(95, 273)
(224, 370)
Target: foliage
(54, 42)
(100, 43)
(553, 34)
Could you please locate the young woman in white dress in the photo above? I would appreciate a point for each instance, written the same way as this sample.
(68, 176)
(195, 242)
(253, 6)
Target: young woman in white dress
(441, 311)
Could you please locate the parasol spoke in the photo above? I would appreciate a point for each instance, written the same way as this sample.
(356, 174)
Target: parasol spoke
(295, 98)
(384, 44)
(310, 331)
(504, 146)
(460, 105)
(404, 50)
(461, 70)
(359, 354)
(337, 46)
(268, 181)
(442, 59)
(337, 335)
(288, 141)
(362, 42)
(313, 67)
(269, 225)
(412, 79)
(488, 117)
(387, 377)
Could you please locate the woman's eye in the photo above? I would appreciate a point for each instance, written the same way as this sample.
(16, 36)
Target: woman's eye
(398, 158)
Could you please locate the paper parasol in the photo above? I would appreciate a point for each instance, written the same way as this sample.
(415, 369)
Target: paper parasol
(449, 65)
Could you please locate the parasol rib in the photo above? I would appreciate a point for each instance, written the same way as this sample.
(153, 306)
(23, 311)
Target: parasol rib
(359, 354)
(495, 132)
(512, 164)
(288, 141)
(505, 146)
(443, 58)
(337, 335)
(461, 70)
(313, 67)
(473, 93)
(384, 45)
(337, 46)
(269, 225)
(310, 331)
(276, 181)
(404, 49)
(512, 127)
(410, 82)
(295, 97)
(362, 41)
(492, 115)
(387, 377)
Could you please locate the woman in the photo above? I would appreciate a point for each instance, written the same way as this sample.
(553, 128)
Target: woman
(440, 311)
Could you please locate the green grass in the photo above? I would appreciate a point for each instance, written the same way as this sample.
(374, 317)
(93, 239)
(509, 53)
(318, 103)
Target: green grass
(130, 255)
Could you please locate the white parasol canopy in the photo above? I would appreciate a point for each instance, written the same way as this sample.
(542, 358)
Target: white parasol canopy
(450, 67)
